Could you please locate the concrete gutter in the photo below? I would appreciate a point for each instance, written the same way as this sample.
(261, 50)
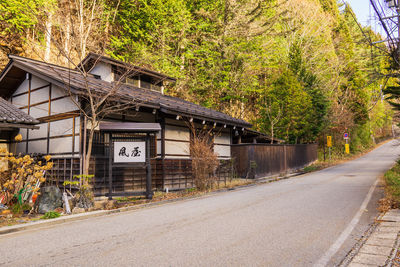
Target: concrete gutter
(380, 244)
(98, 213)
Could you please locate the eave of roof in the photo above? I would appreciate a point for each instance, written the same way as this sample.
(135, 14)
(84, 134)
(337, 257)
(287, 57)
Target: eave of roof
(72, 80)
(96, 57)
(11, 115)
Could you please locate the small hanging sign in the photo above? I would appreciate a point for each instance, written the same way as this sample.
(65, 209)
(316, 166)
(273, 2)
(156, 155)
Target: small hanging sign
(128, 152)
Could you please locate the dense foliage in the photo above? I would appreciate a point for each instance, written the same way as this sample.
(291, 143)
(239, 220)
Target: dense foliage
(298, 70)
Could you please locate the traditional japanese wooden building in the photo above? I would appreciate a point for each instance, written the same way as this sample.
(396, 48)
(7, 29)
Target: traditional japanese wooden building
(51, 94)
(12, 119)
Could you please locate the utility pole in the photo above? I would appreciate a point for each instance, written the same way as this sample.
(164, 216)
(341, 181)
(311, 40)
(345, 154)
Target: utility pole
(387, 13)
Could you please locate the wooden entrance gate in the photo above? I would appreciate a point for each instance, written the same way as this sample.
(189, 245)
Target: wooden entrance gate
(129, 147)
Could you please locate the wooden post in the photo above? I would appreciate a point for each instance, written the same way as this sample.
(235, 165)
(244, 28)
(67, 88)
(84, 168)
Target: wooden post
(163, 152)
(285, 156)
(149, 193)
(85, 141)
(110, 155)
(29, 110)
(48, 123)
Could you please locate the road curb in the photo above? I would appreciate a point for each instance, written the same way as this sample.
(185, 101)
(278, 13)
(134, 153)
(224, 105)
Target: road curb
(82, 216)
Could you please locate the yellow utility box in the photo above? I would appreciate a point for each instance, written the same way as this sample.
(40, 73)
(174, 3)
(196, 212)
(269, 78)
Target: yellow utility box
(347, 148)
(329, 141)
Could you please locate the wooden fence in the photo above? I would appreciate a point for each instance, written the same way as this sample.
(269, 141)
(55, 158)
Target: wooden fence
(177, 175)
(261, 160)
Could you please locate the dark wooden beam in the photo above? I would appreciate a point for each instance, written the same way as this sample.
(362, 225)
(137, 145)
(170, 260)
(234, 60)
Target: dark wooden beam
(60, 116)
(29, 109)
(48, 123)
(5, 125)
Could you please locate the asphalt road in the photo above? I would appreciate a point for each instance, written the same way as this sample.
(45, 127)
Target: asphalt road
(301, 221)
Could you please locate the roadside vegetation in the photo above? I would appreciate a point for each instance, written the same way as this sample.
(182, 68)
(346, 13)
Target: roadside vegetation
(392, 190)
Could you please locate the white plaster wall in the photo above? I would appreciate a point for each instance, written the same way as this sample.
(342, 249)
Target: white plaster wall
(23, 133)
(37, 82)
(39, 133)
(57, 91)
(61, 145)
(222, 151)
(222, 138)
(21, 148)
(177, 133)
(77, 124)
(159, 147)
(22, 88)
(39, 146)
(20, 101)
(225, 149)
(62, 105)
(57, 145)
(76, 147)
(172, 147)
(40, 95)
(104, 71)
(39, 110)
(61, 127)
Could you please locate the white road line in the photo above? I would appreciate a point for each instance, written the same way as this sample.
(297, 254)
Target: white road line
(323, 261)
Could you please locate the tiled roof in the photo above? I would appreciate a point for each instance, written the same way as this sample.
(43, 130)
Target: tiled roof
(11, 114)
(167, 104)
(91, 58)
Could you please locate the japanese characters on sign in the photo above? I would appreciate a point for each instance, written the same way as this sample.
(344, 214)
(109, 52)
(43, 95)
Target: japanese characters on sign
(127, 152)
(345, 136)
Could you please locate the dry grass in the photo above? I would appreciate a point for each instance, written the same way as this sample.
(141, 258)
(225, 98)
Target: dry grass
(236, 182)
(392, 189)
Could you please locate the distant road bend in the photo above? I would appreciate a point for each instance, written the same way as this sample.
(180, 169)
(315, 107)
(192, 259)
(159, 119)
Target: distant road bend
(307, 220)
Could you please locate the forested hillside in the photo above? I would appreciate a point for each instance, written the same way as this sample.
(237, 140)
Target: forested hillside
(296, 69)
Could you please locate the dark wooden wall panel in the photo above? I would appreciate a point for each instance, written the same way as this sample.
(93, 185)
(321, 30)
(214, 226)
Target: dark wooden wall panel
(259, 160)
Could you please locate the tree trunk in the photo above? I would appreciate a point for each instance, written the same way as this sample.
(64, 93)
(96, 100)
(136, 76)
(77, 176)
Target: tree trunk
(89, 149)
(82, 31)
(272, 134)
(67, 41)
(49, 25)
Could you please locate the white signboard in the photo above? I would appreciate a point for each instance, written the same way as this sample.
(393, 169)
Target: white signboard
(126, 152)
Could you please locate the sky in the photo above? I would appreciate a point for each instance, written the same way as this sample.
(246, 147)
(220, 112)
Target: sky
(365, 14)
(362, 10)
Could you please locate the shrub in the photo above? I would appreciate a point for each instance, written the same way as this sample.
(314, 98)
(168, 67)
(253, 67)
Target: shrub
(204, 160)
(392, 178)
(50, 215)
(84, 196)
(18, 208)
(21, 176)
